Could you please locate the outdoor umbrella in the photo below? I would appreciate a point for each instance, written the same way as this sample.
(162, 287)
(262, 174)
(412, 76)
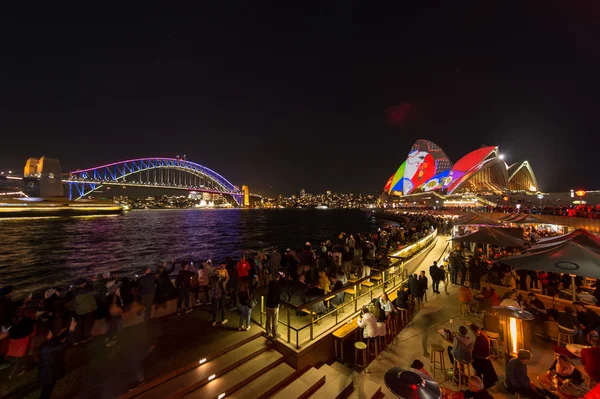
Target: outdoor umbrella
(528, 219)
(472, 218)
(491, 236)
(408, 383)
(568, 257)
(579, 236)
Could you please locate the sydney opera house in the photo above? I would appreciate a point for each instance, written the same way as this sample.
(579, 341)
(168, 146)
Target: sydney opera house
(481, 172)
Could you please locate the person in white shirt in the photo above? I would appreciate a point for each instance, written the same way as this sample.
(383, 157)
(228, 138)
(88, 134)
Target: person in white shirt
(511, 300)
(368, 323)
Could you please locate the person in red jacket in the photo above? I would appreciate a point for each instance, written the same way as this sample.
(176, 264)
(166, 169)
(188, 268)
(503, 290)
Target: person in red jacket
(243, 267)
(590, 358)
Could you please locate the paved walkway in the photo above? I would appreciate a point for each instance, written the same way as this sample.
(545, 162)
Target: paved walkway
(97, 372)
(413, 341)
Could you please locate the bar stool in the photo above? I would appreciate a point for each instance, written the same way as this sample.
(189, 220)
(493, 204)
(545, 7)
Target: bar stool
(437, 360)
(464, 309)
(565, 335)
(403, 314)
(494, 344)
(372, 341)
(360, 351)
(459, 369)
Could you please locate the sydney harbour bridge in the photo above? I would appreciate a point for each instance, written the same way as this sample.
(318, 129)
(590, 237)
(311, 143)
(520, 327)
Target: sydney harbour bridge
(158, 172)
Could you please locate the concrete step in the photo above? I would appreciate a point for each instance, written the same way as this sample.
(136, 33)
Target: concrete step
(304, 386)
(265, 385)
(337, 385)
(239, 377)
(363, 387)
(183, 383)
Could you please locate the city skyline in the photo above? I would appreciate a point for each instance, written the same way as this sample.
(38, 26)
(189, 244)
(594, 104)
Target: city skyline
(281, 96)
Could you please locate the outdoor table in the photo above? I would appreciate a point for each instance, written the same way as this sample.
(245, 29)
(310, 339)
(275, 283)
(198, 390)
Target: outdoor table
(564, 392)
(441, 332)
(576, 349)
(341, 333)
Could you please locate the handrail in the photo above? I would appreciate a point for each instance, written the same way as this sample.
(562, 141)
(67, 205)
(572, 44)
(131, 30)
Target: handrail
(418, 247)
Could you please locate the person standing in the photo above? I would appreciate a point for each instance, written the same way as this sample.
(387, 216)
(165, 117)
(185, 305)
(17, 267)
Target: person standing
(52, 359)
(245, 306)
(203, 275)
(183, 287)
(272, 304)
(481, 358)
(434, 272)
(85, 305)
(243, 268)
(147, 289)
(114, 318)
(217, 292)
(275, 263)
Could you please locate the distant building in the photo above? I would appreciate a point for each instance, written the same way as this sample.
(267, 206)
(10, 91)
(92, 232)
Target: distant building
(45, 175)
(428, 169)
(302, 193)
(246, 192)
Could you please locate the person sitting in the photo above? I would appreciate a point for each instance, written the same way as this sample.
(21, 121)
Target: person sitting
(368, 323)
(567, 320)
(536, 307)
(510, 299)
(588, 319)
(313, 293)
(590, 359)
(418, 365)
(324, 281)
(565, 369)
(465, 295)
(476, 389)
(387, 305)
(462, 347)
(403, 297)
(491, 324)
(381, 317)
(517, 380)
(336, 286)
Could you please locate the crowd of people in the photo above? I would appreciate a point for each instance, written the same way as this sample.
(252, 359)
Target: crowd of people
(66, 316)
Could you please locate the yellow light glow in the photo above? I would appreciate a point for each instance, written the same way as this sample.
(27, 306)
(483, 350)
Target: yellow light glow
(513, 333)
(532, 188)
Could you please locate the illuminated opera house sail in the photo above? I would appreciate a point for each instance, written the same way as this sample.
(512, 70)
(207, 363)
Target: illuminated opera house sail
(427, 168)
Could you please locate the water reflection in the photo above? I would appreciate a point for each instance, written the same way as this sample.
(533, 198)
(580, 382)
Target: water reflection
(39, 252)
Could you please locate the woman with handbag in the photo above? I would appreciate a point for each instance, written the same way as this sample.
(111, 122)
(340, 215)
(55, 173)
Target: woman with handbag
(246, 301)
(114, 319)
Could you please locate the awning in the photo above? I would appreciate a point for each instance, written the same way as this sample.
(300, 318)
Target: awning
(472, 218)
(579, 236)
(568, 257)
(492, 236)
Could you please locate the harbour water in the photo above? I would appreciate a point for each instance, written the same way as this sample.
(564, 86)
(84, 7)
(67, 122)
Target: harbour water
(37, 253)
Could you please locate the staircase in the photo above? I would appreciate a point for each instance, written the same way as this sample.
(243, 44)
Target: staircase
(252, 369)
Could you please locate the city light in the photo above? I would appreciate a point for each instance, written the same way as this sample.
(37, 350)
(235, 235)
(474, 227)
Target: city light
(501, 156)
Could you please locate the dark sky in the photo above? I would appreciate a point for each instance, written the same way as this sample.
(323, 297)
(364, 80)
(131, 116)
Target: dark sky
(290, 94)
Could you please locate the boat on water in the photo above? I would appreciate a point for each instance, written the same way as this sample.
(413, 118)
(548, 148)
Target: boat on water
(37, 207)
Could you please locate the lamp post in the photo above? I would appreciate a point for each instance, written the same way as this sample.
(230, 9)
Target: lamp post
(515, 337)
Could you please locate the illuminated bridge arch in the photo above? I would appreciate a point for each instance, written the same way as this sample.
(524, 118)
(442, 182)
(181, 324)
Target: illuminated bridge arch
(152, 173)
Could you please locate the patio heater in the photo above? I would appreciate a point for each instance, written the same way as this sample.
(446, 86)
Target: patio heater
(516, 330)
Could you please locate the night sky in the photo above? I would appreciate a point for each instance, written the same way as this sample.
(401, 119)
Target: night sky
(290, 94)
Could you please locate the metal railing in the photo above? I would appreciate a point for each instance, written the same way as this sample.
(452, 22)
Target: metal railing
(318, 324)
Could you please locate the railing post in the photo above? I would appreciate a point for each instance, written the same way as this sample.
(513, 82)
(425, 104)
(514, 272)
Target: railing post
(355, 298)
(311, 326)
(262, 306)
(288, 324)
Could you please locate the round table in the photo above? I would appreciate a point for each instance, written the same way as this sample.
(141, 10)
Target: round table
(576, 349)
(570, 392)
